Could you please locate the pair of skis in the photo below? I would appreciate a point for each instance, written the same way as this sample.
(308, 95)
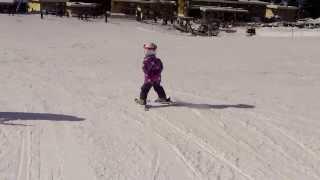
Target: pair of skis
(148, 105)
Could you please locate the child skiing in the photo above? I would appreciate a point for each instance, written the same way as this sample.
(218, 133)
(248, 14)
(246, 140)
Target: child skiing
(152, 68)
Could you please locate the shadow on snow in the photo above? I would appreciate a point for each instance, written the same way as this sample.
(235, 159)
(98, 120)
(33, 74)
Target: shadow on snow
(202, 106)
(6, 117)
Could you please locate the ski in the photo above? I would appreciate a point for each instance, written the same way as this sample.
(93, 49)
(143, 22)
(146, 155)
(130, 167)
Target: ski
(146, 106)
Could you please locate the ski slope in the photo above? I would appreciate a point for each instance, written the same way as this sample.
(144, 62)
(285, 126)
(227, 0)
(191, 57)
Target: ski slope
(247, 106)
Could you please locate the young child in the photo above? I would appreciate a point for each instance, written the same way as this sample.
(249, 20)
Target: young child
(152, 68)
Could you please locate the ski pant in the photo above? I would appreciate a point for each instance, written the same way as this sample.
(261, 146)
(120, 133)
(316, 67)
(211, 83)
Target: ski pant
(156, 86)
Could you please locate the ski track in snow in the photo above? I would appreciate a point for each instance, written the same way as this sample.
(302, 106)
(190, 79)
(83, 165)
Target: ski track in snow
(299, 145)
(207, 148)
(25, 155)
(293, 139)
(198, 142)
(282, 134)
(95, 76)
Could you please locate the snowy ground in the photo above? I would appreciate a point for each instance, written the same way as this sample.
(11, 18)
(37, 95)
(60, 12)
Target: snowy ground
(248, 105)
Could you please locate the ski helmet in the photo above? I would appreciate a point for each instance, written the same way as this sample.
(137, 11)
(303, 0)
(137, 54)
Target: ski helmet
(150, 46)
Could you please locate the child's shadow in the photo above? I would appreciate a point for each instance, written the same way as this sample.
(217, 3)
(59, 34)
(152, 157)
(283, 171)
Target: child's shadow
(7, 117)
(202, 106)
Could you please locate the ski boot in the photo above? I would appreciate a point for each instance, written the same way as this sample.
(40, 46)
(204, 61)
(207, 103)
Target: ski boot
(140, 101)
(163, 100)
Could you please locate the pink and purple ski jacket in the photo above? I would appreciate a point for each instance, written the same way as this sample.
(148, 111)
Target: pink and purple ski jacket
(152, 68)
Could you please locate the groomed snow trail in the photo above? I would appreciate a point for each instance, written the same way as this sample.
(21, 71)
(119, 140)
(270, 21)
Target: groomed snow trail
(246, 107)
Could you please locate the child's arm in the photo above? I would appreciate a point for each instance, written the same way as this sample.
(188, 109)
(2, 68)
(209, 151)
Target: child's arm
(145, 67)
(161, 65)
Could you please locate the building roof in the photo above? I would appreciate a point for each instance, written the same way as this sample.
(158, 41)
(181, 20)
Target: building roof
(144, 1)
(248, 2)
(7, 1)
(221, 9)
(81, 5)
(274, 6)
(53, 1)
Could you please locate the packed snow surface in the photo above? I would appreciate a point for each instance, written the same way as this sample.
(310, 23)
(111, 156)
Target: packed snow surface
(247, 108)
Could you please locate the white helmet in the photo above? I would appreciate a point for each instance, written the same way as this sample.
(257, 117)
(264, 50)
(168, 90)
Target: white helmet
(150, 46)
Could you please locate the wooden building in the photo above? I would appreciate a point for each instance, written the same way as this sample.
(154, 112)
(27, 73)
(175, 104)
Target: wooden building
(34, 6)
(256, 9)
(13, 6)
(153, 9)
(283, 13)
(84, 10)
(8, 6)
(56, 7)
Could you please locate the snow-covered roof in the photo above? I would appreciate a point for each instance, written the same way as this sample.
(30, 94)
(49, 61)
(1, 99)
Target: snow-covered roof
(274, 6)
(54, 0)
(251, 2)
(7, 1)
(222, 9)
(81, 4)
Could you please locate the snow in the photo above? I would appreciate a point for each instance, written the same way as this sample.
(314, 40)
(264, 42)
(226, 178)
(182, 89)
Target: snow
(288, 32)
(247, 106)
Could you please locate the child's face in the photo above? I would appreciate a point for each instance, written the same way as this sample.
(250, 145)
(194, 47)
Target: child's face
(149, 52)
